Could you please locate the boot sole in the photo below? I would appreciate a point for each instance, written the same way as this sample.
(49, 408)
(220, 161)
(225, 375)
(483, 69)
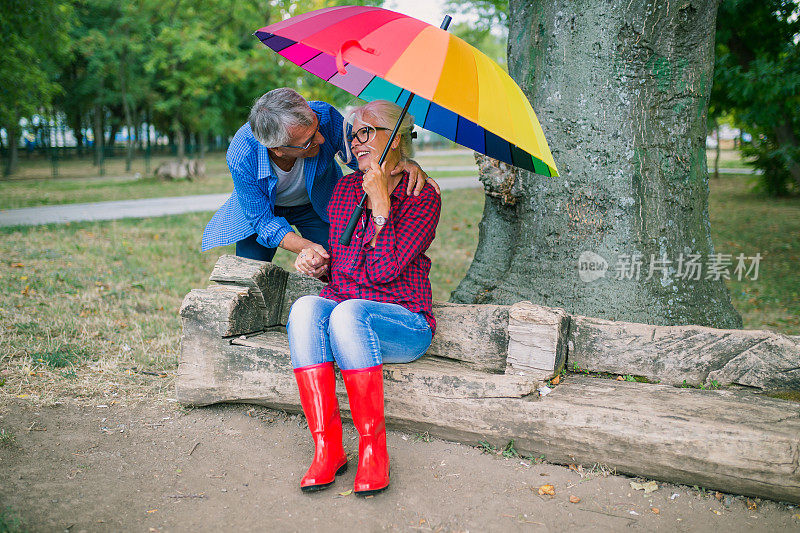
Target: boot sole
(323, 486)
(374, 491)
(364, 493)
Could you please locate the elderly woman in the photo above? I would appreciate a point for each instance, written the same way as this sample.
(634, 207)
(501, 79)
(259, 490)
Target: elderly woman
(377, 306)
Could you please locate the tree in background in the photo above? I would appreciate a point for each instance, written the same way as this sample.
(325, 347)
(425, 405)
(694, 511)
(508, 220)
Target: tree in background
(757, 78)
(621, 89)
(32, 37)
(191, 69)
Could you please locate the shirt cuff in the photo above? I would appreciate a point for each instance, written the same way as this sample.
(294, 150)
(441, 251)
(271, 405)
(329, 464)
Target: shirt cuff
(276, 235)
(384, 243)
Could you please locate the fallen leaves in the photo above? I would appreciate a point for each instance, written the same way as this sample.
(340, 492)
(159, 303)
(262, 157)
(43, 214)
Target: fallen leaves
(548, 490)
(346, 493)
(751, 505)
(556, 380)
(574, 499)
(648, 487)
(655, 510)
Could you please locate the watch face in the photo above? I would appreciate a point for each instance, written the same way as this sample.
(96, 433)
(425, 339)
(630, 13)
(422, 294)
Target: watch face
(379, 220)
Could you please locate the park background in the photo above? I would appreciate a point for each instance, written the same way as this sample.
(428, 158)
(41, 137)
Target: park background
(90, 309)
(174, 81)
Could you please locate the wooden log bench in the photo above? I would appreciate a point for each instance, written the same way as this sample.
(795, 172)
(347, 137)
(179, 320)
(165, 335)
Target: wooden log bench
(480, 382)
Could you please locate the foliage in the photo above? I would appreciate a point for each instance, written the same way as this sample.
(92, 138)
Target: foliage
(31, 37)
(491, 14)
(189, 68)
(10, 521)
(757, 78)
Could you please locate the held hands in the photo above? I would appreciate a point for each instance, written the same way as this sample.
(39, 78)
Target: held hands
(312, 261)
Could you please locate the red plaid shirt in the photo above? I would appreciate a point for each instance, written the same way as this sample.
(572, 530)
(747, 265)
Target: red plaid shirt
(396, 269)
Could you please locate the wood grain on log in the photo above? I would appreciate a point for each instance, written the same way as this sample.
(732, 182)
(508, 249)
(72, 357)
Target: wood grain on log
(717, 439)
(431, 375)
(298, 285)
(266, 281)
(695, 354)
(537, 340)
(474, 334)
(224, 309)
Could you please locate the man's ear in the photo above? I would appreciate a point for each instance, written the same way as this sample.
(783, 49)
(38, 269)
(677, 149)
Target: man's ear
(396, 142)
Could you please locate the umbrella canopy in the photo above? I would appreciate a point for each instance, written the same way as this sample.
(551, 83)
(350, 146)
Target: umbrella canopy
(378, 54)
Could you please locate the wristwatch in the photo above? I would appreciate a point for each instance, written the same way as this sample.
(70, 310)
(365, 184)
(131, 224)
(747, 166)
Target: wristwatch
(378, 220)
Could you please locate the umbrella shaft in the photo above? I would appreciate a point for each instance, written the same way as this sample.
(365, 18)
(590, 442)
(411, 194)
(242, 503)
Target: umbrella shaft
(345, 238)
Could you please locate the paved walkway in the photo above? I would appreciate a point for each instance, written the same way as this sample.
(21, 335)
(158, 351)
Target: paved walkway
(147, 207)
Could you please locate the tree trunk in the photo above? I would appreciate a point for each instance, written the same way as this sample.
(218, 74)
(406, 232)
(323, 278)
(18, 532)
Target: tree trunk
(13, 132)
(97, 131)
(785, 137)
(147, 149)
(126, 108)
(180, 139)
(717, 151)
(201, 141)
(621, 90)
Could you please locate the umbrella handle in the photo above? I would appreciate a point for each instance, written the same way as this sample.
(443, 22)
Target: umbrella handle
(345, 45)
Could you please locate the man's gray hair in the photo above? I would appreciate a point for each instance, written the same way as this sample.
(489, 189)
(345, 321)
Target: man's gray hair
(275, 112)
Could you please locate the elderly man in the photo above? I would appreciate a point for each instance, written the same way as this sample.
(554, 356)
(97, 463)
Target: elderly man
(283, 169)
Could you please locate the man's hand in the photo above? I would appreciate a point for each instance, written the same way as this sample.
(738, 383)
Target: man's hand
(312, 261)
(416, 176)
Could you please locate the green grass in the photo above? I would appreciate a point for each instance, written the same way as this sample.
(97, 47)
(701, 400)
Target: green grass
(87, 307)
(78, 181)
(19, 193)
(7, 438)
(10, 521)
(743, 222)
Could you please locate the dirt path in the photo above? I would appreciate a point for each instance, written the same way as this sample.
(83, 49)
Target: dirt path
(236, 468)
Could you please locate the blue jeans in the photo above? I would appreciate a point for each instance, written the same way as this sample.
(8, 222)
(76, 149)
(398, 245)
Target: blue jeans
(355, 333)
(303, 217)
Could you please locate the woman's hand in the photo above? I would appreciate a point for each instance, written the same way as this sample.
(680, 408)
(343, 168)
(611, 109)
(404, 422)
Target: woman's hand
(376, 185)
(312, 261)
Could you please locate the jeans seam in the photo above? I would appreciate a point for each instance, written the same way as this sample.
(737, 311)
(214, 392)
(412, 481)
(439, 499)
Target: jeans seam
(323, 327)
(393, 321)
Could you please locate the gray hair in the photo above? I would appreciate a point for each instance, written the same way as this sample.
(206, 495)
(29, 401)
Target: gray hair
(385, 115)
(275, 112)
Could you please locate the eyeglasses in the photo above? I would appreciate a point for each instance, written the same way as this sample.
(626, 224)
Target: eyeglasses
(310, 142)
(364, 134)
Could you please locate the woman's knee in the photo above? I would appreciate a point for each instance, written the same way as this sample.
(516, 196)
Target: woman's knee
(347, 315)
(307, 311)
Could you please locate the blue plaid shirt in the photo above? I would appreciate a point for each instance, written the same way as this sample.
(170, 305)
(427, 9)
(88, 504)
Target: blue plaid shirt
(251, 207)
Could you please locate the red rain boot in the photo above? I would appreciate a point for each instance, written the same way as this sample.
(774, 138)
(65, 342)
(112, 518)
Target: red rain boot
(365, 391)
(317, 386)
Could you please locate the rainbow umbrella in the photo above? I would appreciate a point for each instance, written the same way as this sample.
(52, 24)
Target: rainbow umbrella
(378, 54)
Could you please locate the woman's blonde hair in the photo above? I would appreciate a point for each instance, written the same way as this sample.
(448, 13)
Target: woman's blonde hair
(384, 114)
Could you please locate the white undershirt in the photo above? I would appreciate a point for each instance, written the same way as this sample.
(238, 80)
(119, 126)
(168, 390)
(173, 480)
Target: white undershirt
(291, 188)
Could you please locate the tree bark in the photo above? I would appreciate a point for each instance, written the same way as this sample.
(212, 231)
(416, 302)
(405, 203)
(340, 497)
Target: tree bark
(785, 137)
(180, 139)
(13, 132)
(97, 131)
(621, 90)
(718, 150)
